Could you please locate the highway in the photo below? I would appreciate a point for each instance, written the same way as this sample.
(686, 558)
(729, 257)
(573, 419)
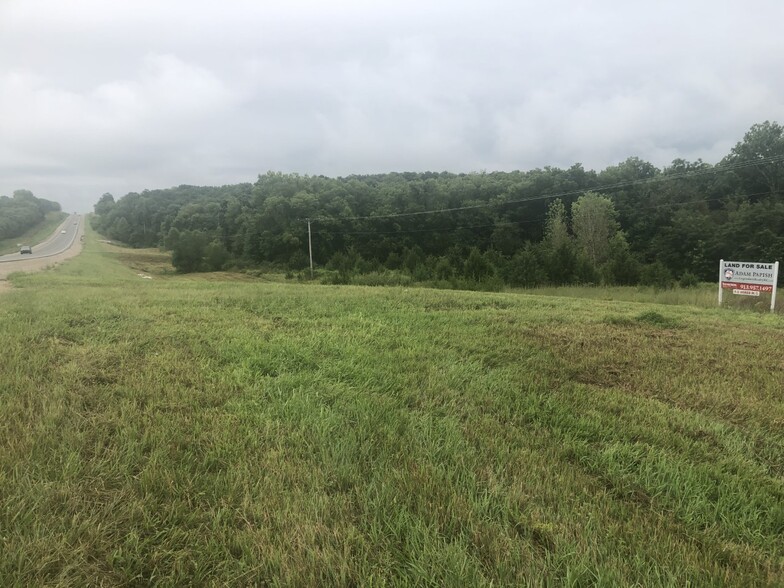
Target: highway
(60, 241)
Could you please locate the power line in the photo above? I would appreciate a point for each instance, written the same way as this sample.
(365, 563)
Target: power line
(617, 185)
(537, 220)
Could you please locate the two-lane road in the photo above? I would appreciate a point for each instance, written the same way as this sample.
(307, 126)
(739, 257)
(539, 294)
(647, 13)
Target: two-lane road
(56, 249)
(62, 240)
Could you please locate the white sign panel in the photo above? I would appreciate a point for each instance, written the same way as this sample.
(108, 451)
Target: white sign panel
(749, 278)
(746, 292)
(745, 272)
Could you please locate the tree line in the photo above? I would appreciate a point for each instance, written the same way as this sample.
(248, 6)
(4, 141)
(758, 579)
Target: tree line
(627, 224)
(21, 212)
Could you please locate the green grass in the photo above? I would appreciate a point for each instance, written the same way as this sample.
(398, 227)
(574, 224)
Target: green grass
(704, 296)
(182, 431)
(34, 235)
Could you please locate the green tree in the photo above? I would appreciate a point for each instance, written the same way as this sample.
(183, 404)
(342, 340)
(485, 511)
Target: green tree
(585, 271)
(622, 268)
(686, 216)
(188, 253)
(561, 264)
(215, 256)
(121, 229)
(343, 264)
(556, 231)
(104, 205)
(506, 239)
(477, 267)
(412, 259)
(762, 149)
(525, 268)
(594, 224)
(658, 275)
(443, 269)
(172, 239)
(21, 212)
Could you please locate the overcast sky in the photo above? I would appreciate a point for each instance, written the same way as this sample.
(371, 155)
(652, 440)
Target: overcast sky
(117, 96)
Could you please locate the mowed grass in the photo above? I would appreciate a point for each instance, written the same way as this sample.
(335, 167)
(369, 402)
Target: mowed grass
(180, 431)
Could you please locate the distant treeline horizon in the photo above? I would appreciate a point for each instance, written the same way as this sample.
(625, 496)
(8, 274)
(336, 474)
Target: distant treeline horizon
(631, 223)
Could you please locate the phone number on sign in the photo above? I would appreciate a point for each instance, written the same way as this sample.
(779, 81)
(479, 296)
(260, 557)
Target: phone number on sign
(750, 287)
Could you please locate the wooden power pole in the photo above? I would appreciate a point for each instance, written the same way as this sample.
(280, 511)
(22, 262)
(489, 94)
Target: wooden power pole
(310, 250)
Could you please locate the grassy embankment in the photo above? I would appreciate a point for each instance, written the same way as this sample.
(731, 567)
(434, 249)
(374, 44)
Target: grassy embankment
(34, 235)
(182, 431)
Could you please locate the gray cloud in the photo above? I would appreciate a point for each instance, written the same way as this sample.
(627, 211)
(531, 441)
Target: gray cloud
(118, 96)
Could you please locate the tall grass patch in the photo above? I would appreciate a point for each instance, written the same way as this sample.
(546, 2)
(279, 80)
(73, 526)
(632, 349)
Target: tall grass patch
(184, 431)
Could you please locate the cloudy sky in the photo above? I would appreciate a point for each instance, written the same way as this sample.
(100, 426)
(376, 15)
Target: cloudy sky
(116, 96)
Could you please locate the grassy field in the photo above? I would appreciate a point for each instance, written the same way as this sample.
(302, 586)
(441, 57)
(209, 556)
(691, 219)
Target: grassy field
(35, 235)
(703, 296)
(229, 431)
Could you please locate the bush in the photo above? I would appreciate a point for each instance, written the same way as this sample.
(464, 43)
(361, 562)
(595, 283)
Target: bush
(343, 264)
(299, 261)
(443, 269)
(215, 256)
(525, 269)
(562, 265)
(333, 278)
(393, 278)
(585, 271)
(477, 267)
(688, 280)
(657, 275)
(622, 268)
(188, 252)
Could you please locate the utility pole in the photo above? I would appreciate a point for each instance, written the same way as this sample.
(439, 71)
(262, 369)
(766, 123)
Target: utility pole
(310, 250)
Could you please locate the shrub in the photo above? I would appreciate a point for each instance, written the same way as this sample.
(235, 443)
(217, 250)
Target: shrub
(657, 275)
(477, 267)
(215, 256)
(525, 269)
(688, 280)
(392, 278)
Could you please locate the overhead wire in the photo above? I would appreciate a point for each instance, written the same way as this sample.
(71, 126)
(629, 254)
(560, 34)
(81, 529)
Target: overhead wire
(537, 220)
(657, 178)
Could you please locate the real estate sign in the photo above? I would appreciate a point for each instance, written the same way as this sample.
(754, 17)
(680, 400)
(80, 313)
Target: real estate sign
(749, 278)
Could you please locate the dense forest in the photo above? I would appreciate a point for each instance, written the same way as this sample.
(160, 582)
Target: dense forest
(630, 223)
(21, 212)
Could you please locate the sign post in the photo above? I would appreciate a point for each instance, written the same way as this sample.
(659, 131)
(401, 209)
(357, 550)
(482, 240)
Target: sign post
(749, 278)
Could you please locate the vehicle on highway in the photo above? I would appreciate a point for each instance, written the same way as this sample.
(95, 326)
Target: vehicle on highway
(26, 249)
(62, 232)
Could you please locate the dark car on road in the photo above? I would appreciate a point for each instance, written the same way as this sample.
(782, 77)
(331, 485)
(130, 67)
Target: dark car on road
(26, 249)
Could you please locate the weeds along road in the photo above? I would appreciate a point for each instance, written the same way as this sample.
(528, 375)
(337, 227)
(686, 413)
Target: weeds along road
(64, 243)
